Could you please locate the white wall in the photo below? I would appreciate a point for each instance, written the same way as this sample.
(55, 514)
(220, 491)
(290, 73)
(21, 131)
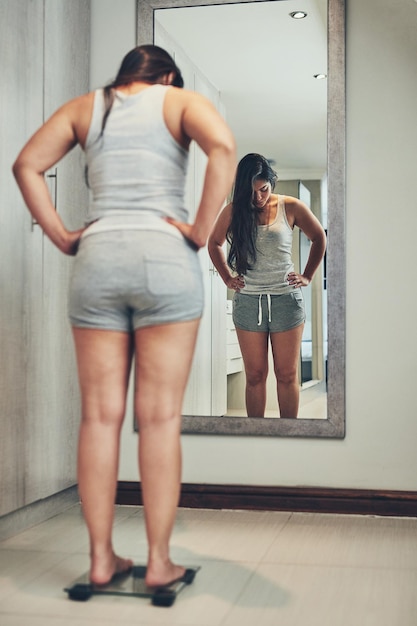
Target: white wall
(113, 33)
(379, 451)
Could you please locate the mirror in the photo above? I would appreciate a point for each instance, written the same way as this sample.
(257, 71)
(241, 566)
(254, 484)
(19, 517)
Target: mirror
(331, 423)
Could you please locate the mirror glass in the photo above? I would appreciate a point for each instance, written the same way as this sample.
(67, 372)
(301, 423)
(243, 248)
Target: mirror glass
(279, 82)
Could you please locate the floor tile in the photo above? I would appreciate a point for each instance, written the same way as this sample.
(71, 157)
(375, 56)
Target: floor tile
(63, 533)
(19, 568)
(295, 595)
(359, 541)
(204, 603)
(232, 535)
(257, 569)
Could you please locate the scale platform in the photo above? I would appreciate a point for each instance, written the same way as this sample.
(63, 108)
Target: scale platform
(131, 583)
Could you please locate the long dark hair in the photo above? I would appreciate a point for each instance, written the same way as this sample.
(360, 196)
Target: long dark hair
(146, 63)
(242, 231)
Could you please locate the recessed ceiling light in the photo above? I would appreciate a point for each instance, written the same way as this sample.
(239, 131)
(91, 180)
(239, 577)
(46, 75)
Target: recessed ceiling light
(299, 15)
(321, 76)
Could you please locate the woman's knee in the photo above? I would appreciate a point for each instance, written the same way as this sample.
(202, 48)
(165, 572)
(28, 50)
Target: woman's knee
(256, 377)
(107, 411)
(156, 413)
(286, 376)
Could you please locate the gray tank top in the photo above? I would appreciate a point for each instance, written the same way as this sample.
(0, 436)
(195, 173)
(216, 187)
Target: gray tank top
(136, 168)
(274, 261)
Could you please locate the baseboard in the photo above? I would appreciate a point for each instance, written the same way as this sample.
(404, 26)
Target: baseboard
(37, 512)
(307, 499)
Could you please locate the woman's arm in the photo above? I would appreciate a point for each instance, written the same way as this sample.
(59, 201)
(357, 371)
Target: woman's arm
(298, 214)
(202, 123)
(215, 249)
(43, 150)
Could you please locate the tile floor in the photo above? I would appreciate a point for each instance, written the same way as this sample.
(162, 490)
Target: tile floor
(313, 404)
(257, 569)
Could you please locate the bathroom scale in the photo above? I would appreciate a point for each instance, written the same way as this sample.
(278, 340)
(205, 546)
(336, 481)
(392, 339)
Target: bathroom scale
(131, 583)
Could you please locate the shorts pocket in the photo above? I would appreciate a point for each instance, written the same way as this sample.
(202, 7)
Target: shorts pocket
(297, 296)
(164, 278)
(236, 303)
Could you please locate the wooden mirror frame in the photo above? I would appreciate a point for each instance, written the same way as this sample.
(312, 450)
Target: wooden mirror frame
(334, 425)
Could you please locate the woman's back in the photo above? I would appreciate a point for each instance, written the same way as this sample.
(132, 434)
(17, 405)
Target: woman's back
(136, 166)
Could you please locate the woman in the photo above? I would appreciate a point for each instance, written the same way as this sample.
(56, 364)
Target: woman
(268, 303)
(136, 284)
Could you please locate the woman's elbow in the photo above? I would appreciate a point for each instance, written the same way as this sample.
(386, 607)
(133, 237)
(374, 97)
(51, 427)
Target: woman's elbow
(213, 246)
(323, 243)
(230, 148)
(19, 167)
(210, 245)
(16, 168)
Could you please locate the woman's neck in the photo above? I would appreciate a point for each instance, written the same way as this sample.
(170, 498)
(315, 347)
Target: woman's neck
(268, 213)
(132, 88)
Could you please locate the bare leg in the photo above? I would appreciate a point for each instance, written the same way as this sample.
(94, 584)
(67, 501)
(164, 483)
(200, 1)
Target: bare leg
(163, 361)
(254, 348)
(104, 359)
(286, 351)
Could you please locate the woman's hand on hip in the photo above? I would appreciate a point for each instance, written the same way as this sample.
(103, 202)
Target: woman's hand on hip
(72, 240)
(185, 230)
(235, 282)
(297, 280)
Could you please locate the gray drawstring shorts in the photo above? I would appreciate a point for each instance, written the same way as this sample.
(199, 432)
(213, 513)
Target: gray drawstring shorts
(268, 313)
(128, 279)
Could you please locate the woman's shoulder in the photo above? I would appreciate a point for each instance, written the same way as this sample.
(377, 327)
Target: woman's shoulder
(185, 96)
(294, 209)
(76, 104)
(78, 112)
(291, 203)
(290, 200)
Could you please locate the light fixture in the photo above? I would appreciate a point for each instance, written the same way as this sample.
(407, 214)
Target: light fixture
(320, 76)
(298, 15)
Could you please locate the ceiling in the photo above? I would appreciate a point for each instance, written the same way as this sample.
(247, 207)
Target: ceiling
(263, 62)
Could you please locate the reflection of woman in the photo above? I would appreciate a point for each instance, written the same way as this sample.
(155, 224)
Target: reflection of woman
(268, 302)
(136, 283)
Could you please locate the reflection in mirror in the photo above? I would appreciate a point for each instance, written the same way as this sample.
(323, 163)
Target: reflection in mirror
(275, 106)
(313, 353)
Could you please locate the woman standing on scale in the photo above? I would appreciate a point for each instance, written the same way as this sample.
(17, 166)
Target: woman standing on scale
(136, 285)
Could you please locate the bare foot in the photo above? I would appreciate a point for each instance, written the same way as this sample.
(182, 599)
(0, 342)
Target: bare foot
(104, 568)
(162, 574)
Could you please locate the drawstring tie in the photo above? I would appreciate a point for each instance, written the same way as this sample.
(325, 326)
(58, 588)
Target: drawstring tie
(268, 299)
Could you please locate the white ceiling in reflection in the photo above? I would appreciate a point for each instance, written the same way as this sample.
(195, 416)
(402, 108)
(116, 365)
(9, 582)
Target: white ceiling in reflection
(263, 62)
